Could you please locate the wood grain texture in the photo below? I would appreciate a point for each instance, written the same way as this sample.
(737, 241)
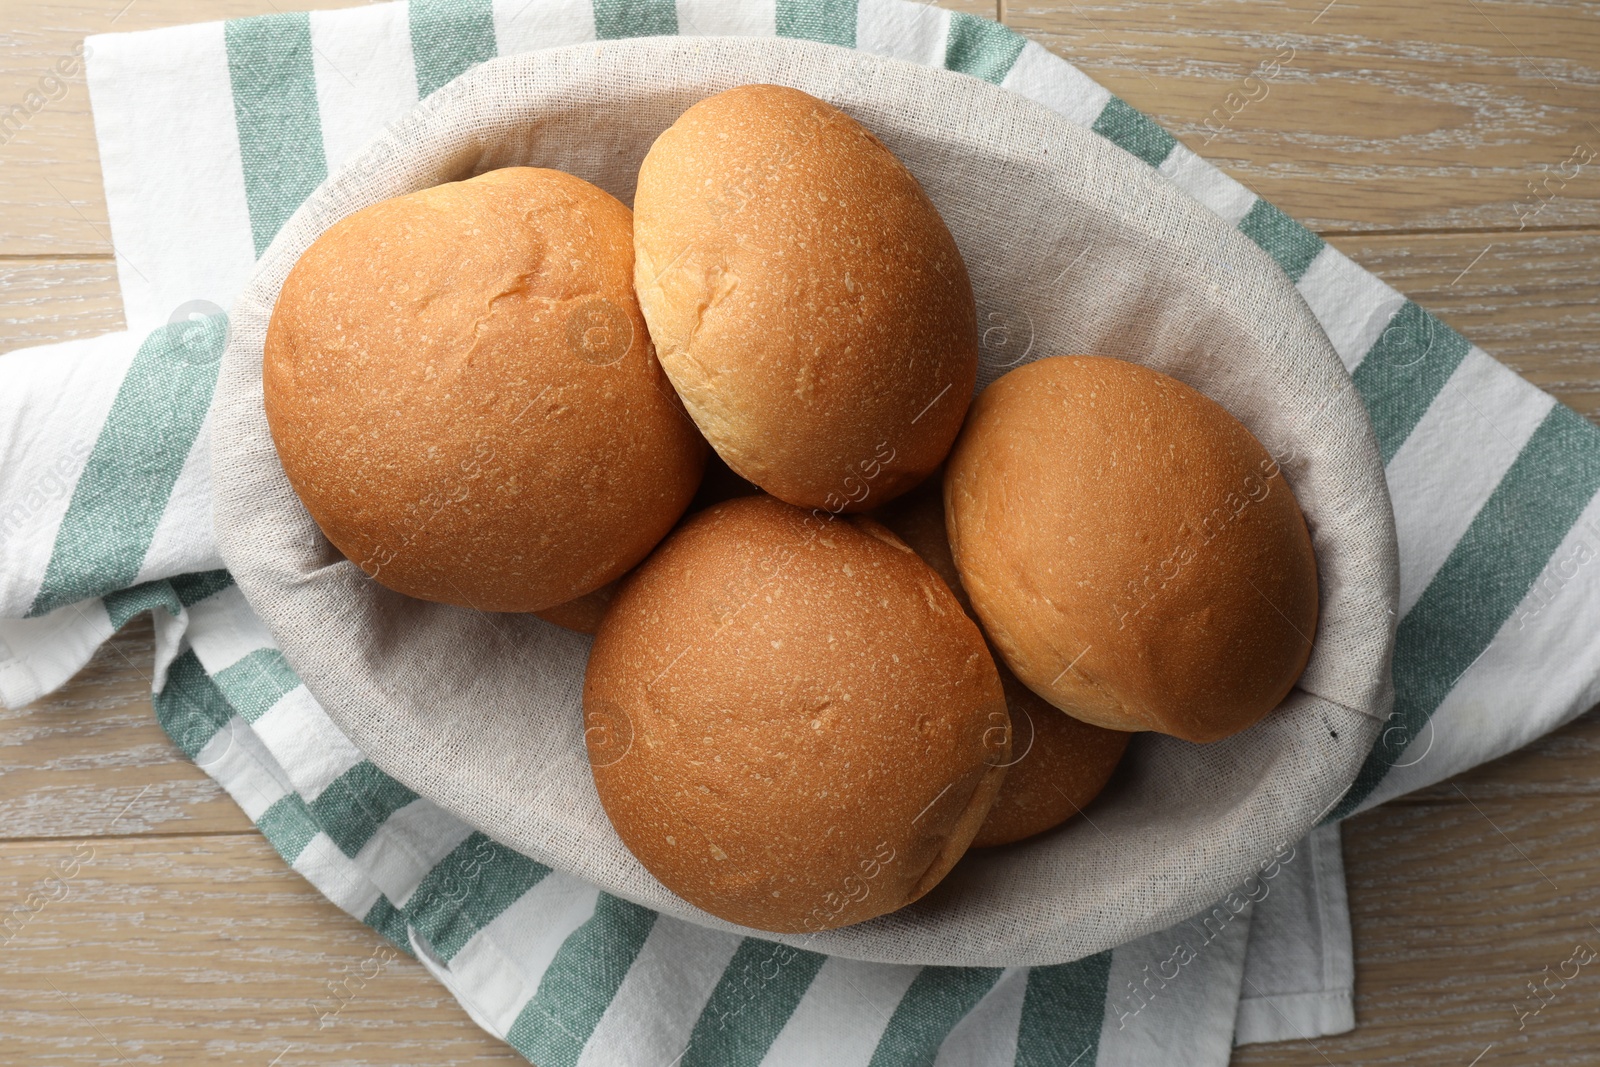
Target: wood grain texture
(90, 760)
(185, 950)
(1389, 116)
(47, 300)
(1409, 116)
(1408, 134)
(1455, 908)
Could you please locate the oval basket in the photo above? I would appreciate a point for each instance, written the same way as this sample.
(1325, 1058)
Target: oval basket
(1073, 246)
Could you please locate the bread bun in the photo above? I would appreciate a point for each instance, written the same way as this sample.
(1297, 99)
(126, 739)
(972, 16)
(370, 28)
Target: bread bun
(792, 723)
(717, 484)
(1058, 764)
(1134, 553)
(582, 615)
(805, 298)
(464, 396)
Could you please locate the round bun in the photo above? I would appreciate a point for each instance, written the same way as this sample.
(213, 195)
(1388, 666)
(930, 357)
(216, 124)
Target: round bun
(717, 484)
(1058, 764)
(1134, 553)
(464, 396)
(792, 723)
(805, 298)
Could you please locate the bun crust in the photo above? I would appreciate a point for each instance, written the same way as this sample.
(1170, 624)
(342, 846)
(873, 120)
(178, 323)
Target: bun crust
(464, 396)
(582, 615)
(1058, 764)
(805, 298)
(792, 723)
(1133, 551)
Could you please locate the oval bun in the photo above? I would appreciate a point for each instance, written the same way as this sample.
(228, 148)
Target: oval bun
(805, 298)
(717, 484)
(463, 393)
(792, 723)
(1133, 551)
(1058, 764)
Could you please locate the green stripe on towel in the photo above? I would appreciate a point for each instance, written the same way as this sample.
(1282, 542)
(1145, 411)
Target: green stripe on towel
(1062, 1010)
(357, 803)
(141, 598)
(190, 707)
(468, 890)
(275, 109)
(580, 984)
(257, 682)
(388, 920)
(288, 826)
(1403, 372)
(1131, 131)
(982, 47)
(828, 21)
(938, 999)
(448, 38)
(758, 991)
(129, 475)
(193, 588)
(1288, 242)
(614, 19)
(1486, 576)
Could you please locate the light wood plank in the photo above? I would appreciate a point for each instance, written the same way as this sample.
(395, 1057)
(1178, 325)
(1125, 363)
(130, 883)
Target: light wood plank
(207, 950)
(47, 300)
(192, 947)
(91, 760)
(1452, 917)
(1389, 116)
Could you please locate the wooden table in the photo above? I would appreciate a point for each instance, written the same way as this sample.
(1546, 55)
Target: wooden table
(1406, 134)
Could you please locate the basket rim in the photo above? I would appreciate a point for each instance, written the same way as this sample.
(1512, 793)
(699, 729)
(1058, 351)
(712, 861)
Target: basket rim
(252, 521)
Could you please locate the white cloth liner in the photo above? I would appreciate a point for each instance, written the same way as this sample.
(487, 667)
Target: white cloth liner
(479, 713)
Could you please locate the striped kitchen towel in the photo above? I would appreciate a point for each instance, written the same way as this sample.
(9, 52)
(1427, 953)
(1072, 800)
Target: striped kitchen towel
(211, 135)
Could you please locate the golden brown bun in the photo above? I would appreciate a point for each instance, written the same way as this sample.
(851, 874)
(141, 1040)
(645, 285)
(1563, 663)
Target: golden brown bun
(464, 396)
(792, 723)
(805, 298)
(1134, 553)
(717, 484)
(584, 613)
(1058, 764)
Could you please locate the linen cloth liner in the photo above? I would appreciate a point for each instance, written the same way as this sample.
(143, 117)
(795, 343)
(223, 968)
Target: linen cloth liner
(480, 712)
